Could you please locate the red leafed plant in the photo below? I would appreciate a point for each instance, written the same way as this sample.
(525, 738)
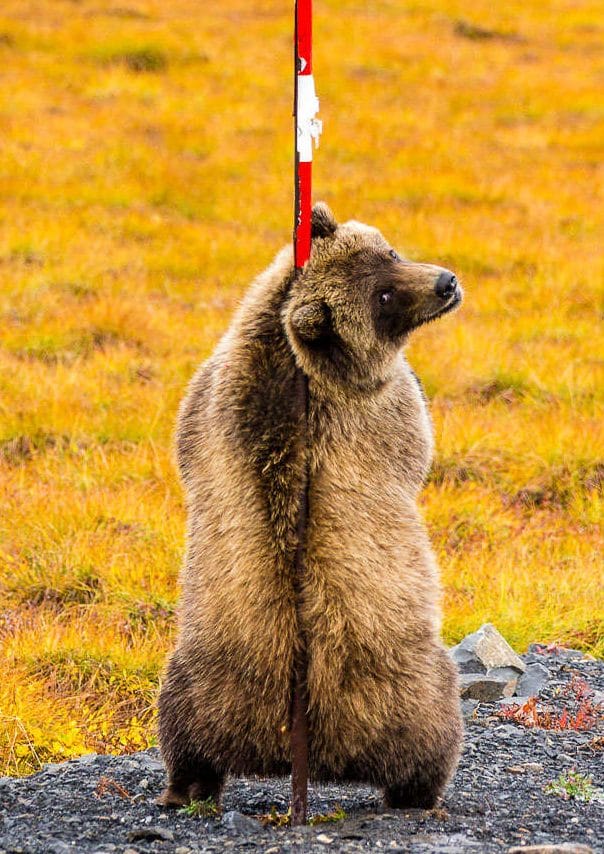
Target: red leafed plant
(578, 687)
(585, 716)
(550, 648)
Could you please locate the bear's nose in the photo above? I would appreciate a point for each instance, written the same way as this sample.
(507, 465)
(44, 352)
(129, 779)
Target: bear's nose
(446, 285)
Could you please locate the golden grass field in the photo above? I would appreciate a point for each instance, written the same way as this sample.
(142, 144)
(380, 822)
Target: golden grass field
(145, 177)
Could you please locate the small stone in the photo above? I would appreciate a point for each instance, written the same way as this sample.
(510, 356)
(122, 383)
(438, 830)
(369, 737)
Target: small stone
(184, 850)
(468, 707)
(148, 762)
(87, 759)
(484, 650)
(324, 839)
(52, 768)
(524, 768)
(507, 731)
(533, 680)
(57, 846)
(514, 700)
(273, 850)
(240, 823)
(485, 689)
(149, 834)
(598, 698)
(563, 848)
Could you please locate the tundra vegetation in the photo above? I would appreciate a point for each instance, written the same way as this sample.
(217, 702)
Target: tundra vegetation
(146, 176)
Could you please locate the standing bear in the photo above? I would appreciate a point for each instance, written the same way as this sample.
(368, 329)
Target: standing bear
(383, 704)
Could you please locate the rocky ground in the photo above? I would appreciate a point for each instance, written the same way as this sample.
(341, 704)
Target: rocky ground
(498, 800)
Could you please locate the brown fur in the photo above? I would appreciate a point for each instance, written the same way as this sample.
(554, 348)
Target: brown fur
(383, 694)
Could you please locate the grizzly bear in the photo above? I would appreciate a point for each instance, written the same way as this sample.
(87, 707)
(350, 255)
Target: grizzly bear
(383, 701)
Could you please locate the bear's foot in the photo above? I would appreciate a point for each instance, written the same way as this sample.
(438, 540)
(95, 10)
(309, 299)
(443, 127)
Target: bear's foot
(421, 792)
(196, 783)
(173, 798)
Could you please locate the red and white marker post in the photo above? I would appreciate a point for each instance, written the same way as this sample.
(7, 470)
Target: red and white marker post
(307, 129)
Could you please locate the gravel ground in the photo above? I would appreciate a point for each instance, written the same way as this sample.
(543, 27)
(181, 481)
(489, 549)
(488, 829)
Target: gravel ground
(495, 802)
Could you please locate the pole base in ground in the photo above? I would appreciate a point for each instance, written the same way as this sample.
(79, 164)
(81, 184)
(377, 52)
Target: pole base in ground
(299, 748)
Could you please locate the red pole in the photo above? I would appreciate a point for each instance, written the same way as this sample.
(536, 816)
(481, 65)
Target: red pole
(306, 129)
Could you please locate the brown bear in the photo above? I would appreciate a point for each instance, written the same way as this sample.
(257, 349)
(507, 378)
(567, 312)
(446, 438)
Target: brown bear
(383, 702)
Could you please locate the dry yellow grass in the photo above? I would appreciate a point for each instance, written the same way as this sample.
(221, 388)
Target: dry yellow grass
(145, 177)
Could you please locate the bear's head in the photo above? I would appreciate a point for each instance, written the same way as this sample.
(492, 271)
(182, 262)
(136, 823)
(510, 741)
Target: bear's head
(356, 301)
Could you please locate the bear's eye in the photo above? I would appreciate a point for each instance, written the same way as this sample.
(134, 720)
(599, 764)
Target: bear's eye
(394, 255)
(385, 297)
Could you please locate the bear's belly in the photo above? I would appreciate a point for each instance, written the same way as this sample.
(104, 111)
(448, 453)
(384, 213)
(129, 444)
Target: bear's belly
(370, 616)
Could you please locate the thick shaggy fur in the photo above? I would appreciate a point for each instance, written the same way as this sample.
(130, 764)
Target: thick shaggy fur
(383, 694)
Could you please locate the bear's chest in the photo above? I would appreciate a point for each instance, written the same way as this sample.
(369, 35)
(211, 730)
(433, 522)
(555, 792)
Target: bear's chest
(379, 441)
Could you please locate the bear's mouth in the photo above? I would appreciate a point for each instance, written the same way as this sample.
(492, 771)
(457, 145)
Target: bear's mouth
(450, 305)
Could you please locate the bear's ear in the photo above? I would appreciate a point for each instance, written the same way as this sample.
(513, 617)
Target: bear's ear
(323, 222)
(311, 321)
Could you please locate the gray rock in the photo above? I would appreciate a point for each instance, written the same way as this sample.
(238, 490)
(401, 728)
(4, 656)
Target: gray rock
(87, 759)
(466, 660)
(507, 731)
(598, 698)
(149, 834)
(52, 768)
(484, 650)
(559, 651)
(563, 848)
(507, 673)
(532, 681)
(57, 846)
(148, 762)
(515, 700)
(240, 823)
(468, 707)
(484, 688)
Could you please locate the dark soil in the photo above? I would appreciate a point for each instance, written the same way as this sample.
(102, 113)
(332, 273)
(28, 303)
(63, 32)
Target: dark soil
(496, 800)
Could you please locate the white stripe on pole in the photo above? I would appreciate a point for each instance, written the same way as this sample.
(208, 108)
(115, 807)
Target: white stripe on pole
(308, 127)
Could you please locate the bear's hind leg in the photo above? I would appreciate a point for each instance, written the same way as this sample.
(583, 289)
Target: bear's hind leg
(191, 779)
(421, 791)
(191, 775)
(422, 783)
